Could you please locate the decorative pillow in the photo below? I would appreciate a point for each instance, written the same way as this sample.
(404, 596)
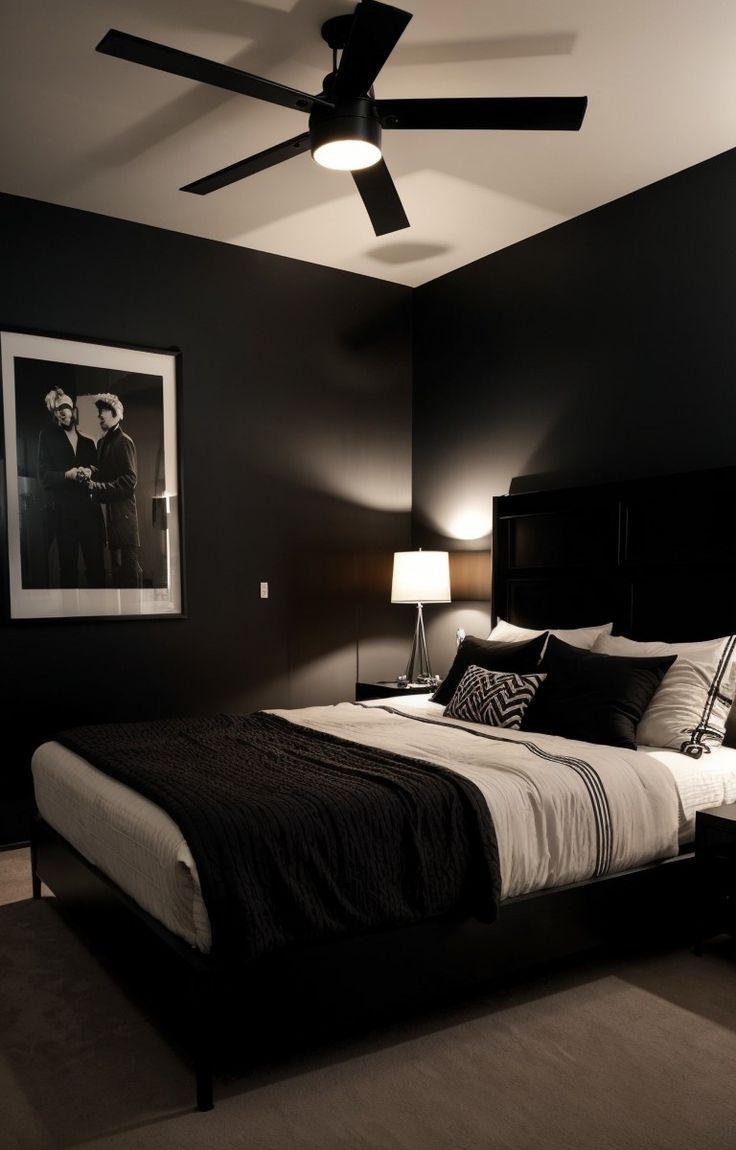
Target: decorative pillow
(519, 657)
(497, 698)
(689, 710)
(583, 637)
(592, 697)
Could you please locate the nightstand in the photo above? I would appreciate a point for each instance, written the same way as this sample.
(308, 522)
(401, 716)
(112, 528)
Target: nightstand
(715, 863)
(383, 689)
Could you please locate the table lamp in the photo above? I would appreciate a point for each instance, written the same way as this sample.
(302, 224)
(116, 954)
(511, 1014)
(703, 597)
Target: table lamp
(420, 577)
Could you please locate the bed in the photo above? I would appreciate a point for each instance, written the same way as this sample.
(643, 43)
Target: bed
(591, 840)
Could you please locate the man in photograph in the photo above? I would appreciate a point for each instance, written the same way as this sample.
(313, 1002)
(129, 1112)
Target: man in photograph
(75, 522)
(112, 483)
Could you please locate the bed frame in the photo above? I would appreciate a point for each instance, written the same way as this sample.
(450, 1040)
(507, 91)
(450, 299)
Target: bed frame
(652, 555)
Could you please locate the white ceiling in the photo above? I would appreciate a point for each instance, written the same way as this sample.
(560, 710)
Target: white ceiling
(89, 131)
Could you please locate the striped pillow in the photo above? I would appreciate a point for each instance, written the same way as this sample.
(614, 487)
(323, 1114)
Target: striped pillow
(496, 698)
(689, 709)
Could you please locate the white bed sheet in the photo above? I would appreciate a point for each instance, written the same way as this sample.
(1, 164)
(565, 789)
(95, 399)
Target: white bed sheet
(140, 848)
(126, 836)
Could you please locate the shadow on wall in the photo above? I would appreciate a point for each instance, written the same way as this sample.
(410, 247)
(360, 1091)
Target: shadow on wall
(575, 445)
(442, 623)
(334, 594)
(597, 437)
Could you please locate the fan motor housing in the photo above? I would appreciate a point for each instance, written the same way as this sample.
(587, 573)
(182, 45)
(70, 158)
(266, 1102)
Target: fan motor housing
(350, 120)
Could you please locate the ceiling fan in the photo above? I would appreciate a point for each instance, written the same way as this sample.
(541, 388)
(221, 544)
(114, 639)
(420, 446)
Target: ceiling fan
(345, 118)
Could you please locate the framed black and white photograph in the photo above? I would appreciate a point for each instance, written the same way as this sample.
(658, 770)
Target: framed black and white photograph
(93, 508)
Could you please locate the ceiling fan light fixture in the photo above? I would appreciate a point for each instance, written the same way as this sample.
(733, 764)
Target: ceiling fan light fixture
(347, 155)
(347, 139)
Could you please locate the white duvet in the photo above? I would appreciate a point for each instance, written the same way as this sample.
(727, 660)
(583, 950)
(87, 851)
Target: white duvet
(563, 811)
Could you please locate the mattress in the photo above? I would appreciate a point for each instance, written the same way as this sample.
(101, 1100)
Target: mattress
(535, 800)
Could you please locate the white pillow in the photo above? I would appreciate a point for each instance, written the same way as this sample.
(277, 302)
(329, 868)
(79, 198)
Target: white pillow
(583, 637)
(688, 711)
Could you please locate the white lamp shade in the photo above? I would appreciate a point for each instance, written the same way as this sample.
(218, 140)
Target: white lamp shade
(421, 577)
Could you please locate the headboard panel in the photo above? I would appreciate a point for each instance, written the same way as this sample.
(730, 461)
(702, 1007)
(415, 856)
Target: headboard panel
(656, 555)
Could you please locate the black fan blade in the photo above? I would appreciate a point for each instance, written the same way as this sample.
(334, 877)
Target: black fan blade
(248, 167)
(374, 34)
(516, 113)
(378, 193)
(153, 55)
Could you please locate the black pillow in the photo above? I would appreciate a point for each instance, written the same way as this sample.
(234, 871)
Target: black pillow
(491, 656)
(593, 697)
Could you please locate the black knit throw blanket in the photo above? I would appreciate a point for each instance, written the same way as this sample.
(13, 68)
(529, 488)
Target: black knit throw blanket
(301, 836)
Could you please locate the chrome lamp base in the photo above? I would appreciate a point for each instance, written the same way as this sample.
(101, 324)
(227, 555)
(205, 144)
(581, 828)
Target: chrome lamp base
(418, 669)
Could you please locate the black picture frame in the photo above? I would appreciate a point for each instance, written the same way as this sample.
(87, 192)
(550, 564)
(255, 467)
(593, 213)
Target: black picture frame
(52, 522)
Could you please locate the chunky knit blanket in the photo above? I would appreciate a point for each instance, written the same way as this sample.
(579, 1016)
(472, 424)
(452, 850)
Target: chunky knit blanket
(301, 836)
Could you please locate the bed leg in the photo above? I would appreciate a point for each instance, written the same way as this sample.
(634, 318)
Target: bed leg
(203, 1013)
(35, 880)
(203, 1071)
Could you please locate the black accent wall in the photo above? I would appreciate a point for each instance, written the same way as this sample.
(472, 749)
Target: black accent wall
(296, 451)
(601, 349)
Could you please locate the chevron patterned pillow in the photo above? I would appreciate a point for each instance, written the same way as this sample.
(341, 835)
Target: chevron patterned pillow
(496, 698)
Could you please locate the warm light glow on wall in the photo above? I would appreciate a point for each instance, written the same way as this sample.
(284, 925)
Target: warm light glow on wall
(470, 575)
(470, 524)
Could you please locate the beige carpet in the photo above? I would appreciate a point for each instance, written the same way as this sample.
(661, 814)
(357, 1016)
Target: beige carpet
(15, 876)
(631, 1054)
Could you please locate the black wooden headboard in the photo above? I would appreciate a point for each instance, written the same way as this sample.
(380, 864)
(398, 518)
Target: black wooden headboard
(656, 555)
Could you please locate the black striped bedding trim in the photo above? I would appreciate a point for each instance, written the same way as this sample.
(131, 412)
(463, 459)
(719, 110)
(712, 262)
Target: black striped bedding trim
(584, 770)
(703, 733)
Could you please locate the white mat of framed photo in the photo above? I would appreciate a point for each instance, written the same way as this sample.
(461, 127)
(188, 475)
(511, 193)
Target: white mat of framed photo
(62, 487)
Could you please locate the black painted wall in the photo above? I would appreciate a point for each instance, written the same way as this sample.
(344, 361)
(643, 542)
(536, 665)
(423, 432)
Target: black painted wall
(296, 455)
(601, 349)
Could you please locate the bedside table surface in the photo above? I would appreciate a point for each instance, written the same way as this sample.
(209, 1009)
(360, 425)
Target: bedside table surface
(401, 686)
(382, 688)
(725, 813)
